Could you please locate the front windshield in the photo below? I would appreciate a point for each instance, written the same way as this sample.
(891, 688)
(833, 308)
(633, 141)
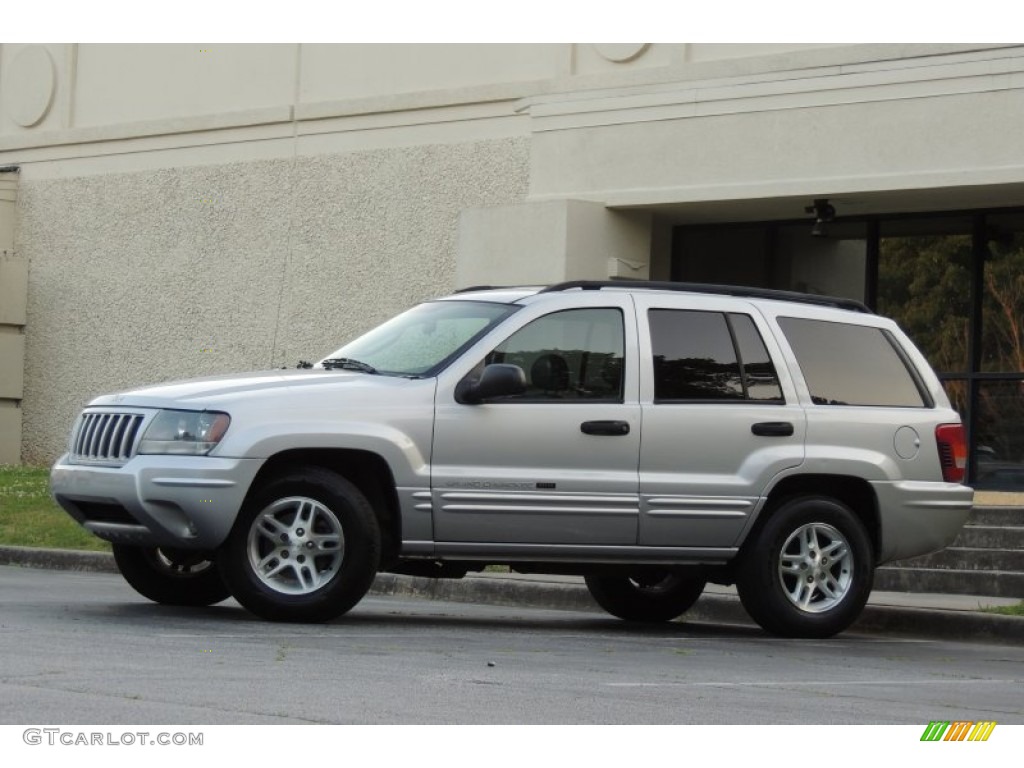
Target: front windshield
(424, 339)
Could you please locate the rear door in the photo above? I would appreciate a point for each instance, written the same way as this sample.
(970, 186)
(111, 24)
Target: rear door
(720, 419)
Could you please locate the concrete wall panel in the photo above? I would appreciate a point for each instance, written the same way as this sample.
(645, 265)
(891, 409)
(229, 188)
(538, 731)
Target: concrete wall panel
(10, 433)
(129, 83)
(334, 72)
(871, 145)
(12, 362)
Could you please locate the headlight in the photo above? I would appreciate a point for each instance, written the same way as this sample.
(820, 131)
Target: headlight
(194, 433)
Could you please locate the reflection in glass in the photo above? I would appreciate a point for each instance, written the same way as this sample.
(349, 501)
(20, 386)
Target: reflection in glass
(999, 440)
(957, 392)
(758, 370)
(695, 358)
(924, 284)
(1003, 308)
(425, 338)
(834, 361)
(829, 265)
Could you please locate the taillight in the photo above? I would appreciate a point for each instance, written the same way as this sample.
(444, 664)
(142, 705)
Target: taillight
(952, 451)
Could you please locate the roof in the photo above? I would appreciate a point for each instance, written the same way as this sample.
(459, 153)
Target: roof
(511, 294)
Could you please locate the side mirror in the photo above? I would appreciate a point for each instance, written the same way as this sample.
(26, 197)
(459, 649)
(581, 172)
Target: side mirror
(497, 380)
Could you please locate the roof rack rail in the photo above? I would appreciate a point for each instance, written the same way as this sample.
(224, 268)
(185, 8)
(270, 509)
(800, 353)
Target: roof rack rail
(492, 288)
(740, 291)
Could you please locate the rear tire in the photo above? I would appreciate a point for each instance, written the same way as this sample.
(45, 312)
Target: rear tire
(171, 576)
(305, 548)
(809, 571)
(647, 596)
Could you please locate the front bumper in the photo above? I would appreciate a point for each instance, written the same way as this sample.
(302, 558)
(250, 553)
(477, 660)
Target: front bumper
(919, 517)
(189, 502)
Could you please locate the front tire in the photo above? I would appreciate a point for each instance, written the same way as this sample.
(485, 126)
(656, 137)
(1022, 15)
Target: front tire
(647, 596)
(305, 548)
(171, 576)
(809, 571)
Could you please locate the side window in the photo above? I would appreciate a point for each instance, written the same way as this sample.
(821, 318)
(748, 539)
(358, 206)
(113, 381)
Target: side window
(847, 364)
(702, 356)
(759, 375)
(572, 355)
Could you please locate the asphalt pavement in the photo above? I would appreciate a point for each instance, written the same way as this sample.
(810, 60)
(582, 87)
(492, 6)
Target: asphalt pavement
(903, 614)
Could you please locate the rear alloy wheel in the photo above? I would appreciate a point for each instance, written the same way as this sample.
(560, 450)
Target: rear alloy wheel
(304, 548)
(810, 570)
(649, 596)
(171, 576)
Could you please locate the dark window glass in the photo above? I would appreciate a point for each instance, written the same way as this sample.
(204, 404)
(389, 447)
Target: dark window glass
(1002, 347)
(924, 284)
(829, 263)
(695, 358)
(734, 255)
(999, 440)
(572, 355)
(850, 364)
(957, 391)
(758, 371)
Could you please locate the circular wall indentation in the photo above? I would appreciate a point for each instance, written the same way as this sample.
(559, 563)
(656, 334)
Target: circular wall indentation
(620, 52)
(30, 83)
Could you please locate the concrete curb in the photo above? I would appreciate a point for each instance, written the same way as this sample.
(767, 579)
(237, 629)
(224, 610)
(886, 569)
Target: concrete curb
(495, 590)
(58, 559)
(710, 609)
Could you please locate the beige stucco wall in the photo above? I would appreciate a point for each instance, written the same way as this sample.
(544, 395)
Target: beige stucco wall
(144, 277)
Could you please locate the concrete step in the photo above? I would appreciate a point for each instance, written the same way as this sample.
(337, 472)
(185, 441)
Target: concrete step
(1013, 516)
(990, 536)
(967, 559)
(950, 581)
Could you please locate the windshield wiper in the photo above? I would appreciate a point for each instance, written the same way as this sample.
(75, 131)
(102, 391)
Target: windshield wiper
(348, 363)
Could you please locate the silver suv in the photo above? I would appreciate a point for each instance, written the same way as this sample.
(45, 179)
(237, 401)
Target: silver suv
(650, 437)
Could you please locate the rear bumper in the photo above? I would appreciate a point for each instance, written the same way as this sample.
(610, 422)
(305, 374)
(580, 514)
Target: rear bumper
(188, 502)
(919, 517)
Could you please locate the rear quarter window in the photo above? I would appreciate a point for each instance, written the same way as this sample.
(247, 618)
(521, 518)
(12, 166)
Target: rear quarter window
(845, 364)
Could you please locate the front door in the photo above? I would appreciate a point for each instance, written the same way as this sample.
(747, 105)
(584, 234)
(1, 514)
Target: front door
(556, 465)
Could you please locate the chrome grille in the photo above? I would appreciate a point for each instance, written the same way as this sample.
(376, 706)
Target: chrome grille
(105, 437)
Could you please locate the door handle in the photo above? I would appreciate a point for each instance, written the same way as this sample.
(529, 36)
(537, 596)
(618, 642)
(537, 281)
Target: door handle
(772, 429)
(605, 427)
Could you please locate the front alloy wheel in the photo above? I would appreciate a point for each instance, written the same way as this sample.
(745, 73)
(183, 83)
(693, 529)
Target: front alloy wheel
(296, 545)
(305, 547)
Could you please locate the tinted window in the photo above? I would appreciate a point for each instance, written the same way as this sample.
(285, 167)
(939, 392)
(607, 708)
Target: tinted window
(759, 372)
(850, 364)
(571, 355)
(695, 357)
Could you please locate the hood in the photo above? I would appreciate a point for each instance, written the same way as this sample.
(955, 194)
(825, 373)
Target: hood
(213, 392)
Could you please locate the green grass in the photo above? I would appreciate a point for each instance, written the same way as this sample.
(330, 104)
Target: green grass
(1007, 610)
(30, 518)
